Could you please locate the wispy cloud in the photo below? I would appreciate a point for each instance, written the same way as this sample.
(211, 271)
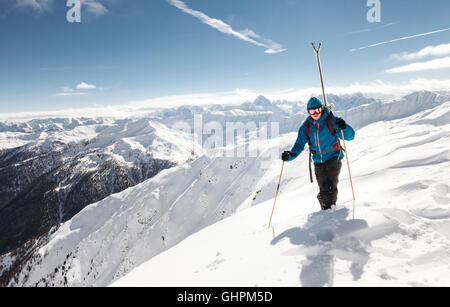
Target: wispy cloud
(436, 51)
(61, 68)
(68, 92)
(92, 6)
(245, 35)
(37, 5)
(67, 89)
(400, 39)
(372, 29)
(64, 94)
(421, 66)
(80, 90)
(86, 86)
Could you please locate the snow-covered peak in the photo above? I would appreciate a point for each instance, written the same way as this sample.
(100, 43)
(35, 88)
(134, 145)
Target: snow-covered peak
(345, 102)
(262, 101)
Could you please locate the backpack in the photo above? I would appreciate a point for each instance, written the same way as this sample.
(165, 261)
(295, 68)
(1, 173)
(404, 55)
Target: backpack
(333, 132)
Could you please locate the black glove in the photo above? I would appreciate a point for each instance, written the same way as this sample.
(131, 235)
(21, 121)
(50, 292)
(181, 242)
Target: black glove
(286, 155)
(341, 123)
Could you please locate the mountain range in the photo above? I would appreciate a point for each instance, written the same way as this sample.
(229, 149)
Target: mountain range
(84, 201)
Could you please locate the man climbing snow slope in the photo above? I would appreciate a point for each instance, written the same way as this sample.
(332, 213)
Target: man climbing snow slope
(321, 131)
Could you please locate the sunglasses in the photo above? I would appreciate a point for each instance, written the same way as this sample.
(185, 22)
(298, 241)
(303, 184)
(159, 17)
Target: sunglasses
(315, 111)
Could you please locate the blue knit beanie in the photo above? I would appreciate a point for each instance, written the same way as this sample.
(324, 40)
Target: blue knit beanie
(314, 103)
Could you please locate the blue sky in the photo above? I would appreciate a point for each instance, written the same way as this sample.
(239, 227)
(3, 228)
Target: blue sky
(134, 50)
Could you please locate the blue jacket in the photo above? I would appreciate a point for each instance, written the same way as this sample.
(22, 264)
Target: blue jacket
(321, 138)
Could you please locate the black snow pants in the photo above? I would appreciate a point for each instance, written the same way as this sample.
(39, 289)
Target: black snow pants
(327, 175)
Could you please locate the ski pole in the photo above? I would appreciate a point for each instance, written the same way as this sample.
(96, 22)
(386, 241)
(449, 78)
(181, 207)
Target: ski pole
(349, 173)
(275, 200)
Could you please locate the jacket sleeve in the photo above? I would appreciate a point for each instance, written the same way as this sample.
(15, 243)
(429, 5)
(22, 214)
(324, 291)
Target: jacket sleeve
(300, 142)
(349, 133)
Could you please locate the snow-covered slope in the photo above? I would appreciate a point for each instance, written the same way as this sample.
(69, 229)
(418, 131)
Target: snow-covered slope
(107, 239)
(399, 235)
(51, 169)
